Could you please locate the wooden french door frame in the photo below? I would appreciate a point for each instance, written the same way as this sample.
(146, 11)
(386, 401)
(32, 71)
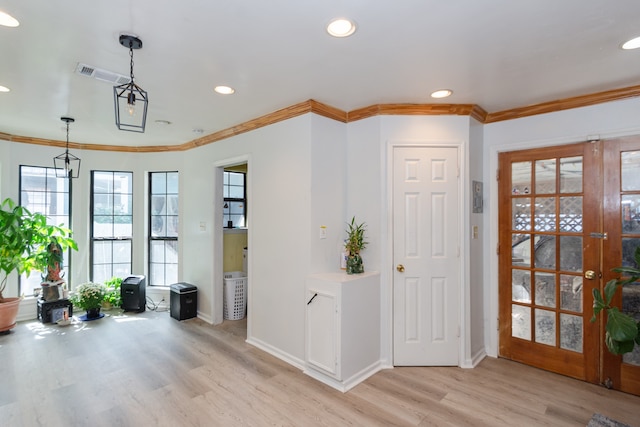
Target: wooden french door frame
(609, 235)
(585, 364)
(615, 373)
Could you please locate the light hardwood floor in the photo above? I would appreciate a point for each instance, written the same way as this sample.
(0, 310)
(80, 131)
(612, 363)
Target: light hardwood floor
(148, 369)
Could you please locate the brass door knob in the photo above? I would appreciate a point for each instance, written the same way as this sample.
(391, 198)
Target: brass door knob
(590, 274)
(400, 268)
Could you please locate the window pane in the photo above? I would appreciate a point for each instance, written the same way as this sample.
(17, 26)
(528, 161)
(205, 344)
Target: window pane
(158, 183)
(172, 182)
(163, 223)
(102, 252)
(172, 205)
(42, 192)
(236, 192)
(122, 251)
(112, 219)
(158, 204)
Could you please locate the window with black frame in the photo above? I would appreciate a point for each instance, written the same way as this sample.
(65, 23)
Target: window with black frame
(42, 192)
(163, 228)
(111, 224)
(235, 199)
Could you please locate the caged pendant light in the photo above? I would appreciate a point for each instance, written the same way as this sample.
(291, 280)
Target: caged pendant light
(131, 101)
(67, 165)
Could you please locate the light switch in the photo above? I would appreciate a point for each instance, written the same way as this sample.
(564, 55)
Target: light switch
(475, 232)
(203, 226)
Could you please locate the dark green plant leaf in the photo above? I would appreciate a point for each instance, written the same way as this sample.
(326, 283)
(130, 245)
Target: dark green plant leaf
(620, 326)
(598, 304)
(610, 290)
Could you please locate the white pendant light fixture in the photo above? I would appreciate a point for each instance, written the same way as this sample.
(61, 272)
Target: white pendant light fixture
(131, 101)
(67, 165)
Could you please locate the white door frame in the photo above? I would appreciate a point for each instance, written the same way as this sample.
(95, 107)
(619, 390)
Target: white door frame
(464, 355)
(218, 236)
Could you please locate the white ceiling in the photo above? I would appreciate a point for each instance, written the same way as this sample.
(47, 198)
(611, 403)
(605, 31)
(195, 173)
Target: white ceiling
(498, 54)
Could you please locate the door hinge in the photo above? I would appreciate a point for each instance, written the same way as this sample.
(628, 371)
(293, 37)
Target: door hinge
(498, 249)
(458, 332)
(498, 175)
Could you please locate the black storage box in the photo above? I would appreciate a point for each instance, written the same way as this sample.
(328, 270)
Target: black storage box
(52, 311)
(184, 301)
(133, 293)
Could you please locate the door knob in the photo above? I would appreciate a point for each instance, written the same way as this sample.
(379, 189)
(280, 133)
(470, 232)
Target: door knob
(400, 268)
(590, 274)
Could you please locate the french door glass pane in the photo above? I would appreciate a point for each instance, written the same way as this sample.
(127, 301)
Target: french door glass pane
(571, 332)
(545, 290)
(630, 213)
(521, 250)
(545, 327)
(571, 175)
(570, 253)
(571, 214)
(545, 214)
(521, 322)
(571, 293)
(521, 285)
(521, 177)
(521, 214)
(630, 165)
(546, 176)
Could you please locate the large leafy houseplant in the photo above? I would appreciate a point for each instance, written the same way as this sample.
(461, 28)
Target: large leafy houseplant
(622, 330)
(112, 296)
(25, 242)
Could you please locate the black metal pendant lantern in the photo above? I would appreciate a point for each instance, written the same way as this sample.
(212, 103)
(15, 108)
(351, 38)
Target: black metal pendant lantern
(131, 101)
(67, 165)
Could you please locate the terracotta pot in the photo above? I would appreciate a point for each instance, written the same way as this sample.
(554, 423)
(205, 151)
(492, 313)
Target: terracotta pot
(8, 313)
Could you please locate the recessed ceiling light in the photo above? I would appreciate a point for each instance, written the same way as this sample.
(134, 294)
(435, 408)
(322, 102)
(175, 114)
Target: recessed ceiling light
(224, 90)
(442, 93)
(4, 89)
(7, 20)
(341, 27)
(631, 44)
(163, 122)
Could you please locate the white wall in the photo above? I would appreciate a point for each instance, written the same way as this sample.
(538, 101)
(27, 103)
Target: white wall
(303, 173)
(369, 198)
(604, 120)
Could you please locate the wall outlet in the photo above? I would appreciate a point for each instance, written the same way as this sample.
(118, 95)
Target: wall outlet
(323, 231)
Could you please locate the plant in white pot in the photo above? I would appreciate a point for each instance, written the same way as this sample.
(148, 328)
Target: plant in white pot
(24, 241)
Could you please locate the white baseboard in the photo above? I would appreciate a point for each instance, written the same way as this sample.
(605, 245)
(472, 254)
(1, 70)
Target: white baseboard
(298, 363)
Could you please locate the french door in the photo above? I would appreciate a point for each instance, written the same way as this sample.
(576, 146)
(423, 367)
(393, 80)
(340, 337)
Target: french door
(568, 215)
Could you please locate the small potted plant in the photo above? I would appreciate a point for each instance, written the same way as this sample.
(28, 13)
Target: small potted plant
(354, 244)
(89, 297)
(112, 297)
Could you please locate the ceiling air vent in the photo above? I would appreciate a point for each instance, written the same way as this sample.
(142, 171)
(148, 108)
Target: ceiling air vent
(102, 75)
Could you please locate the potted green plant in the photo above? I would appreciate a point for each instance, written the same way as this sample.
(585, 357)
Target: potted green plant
(622, 331)
(112, 297)
(89, 296)
(353, 245)
(24, 241)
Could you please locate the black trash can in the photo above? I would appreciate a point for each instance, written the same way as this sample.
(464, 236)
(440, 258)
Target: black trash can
(133, 293)
(183, 301)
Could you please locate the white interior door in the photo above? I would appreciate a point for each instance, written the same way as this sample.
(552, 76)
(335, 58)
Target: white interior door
(426, 216)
